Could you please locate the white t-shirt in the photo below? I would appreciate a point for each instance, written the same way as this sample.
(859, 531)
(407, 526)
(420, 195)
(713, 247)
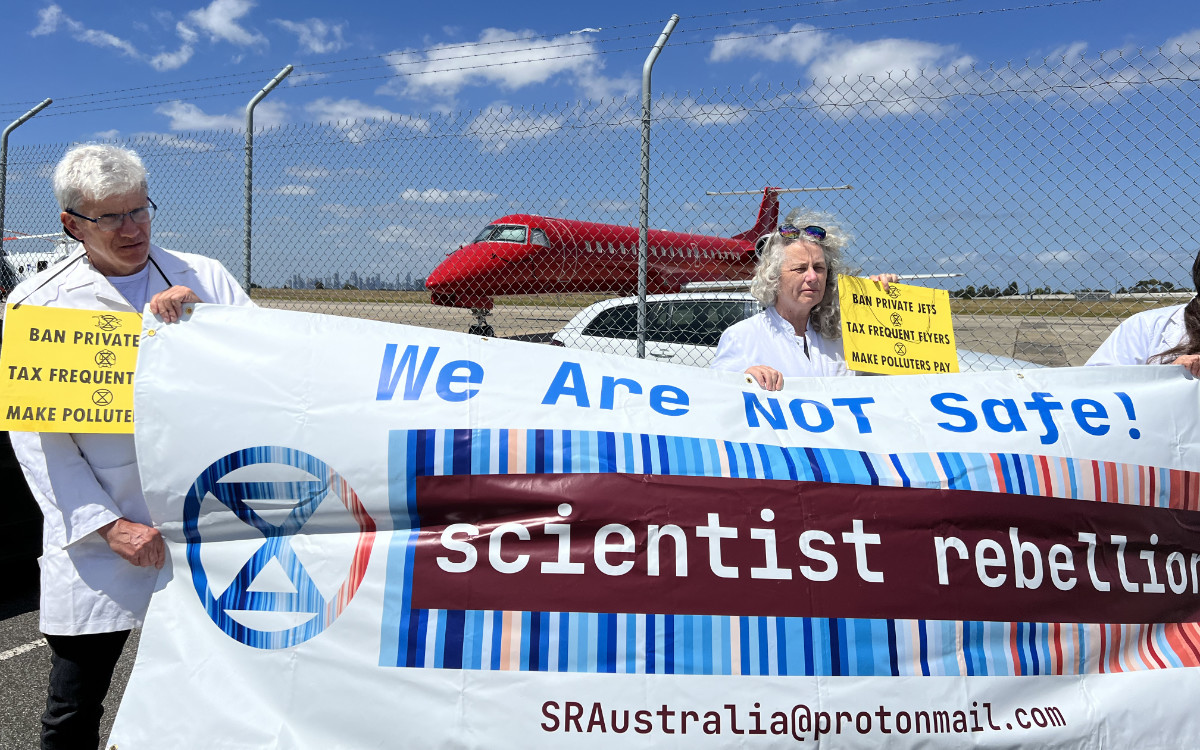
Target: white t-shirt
(133, 288)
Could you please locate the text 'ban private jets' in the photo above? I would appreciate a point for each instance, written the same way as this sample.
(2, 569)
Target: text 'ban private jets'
(527, 254)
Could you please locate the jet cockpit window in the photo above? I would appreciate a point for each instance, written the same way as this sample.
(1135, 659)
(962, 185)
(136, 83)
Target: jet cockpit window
(502, 233)
(509, 233)
(538, 237)
(485, 234)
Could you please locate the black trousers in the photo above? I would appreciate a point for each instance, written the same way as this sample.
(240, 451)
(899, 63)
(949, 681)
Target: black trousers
(81, 669)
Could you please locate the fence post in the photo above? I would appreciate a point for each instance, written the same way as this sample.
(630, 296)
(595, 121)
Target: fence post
(7, 278)
(250, 168)
(644, 210)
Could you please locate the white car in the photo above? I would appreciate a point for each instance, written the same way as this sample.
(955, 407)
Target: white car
(685, 328)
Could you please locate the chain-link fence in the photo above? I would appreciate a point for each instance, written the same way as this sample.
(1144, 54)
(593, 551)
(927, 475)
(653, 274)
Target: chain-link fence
(1061, 195)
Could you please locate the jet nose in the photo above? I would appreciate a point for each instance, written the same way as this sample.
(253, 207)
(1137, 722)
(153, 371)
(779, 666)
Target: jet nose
(451, 272)
(460, 279)
(438, 278)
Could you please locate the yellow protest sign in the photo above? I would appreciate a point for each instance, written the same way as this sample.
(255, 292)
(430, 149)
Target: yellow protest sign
(904, 330)
(64, 370)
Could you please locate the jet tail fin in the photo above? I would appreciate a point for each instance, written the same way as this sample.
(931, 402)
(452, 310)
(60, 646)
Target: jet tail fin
(768, 216)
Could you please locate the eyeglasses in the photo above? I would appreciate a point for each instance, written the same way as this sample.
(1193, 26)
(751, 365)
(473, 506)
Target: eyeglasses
(112, 222)
(790, 232)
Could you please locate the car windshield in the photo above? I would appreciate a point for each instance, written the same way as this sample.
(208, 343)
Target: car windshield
(502, 233)
(698, 322)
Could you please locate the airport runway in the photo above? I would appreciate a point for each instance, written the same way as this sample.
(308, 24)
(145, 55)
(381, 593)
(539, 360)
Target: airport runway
(1052, 340)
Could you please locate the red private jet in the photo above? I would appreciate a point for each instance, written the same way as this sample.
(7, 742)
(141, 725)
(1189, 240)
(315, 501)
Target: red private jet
(526, 254)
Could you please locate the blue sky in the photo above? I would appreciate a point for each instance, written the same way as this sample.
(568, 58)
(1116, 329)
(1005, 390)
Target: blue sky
(1037, 188)
(121, 68)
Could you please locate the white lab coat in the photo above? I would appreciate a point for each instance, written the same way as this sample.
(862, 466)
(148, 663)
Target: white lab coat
(1142, 336)
(85, 481)
(768, 339)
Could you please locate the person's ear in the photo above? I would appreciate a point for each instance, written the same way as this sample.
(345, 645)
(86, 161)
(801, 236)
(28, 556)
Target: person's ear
(70, 225)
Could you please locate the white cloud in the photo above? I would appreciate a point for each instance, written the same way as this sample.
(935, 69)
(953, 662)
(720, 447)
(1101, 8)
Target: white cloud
(433, 195)
(885, 70)
(354, 117)
(52, 17)
(187, 116)
(506, 59)
(959, 260)
(107, 135)
(294, 190)
(178, 58)
(1070, 52)
(396, 233)
(1188, 40)
(268, 114)
(889, 74)
(695, 113)
(172, 141)
(883, 59)
(799, 45)
(892, 76)
(342, 211)
(304, 77)
(315, 35)
(594, 86)
(48, 20)
(220, 19)
(1062, 257)
(307, 173)
(614, 206)
(499, 127)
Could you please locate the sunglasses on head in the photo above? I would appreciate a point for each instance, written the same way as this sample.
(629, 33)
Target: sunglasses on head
(790, 232)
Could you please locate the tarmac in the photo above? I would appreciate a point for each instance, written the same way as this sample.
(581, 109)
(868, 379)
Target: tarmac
(1050, 341)
(1044, 340)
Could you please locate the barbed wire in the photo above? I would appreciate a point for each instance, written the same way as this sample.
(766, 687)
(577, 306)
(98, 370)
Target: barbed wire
(388, 59)
(441, 47)
(164, 90)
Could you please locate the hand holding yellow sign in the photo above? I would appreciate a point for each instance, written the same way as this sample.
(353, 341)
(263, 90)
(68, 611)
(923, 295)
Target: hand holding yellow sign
(65, 370)
(905, 330)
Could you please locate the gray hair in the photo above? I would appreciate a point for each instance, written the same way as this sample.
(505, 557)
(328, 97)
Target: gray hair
(826, 315)
(94, 172)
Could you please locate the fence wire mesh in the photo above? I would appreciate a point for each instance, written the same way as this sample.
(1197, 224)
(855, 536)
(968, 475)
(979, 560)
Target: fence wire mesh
(1060, 193)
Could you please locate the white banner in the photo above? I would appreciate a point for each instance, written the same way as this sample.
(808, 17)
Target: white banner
(384, 536)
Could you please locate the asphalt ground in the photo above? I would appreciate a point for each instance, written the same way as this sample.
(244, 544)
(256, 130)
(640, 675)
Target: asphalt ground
(1051, 341)
(25, 665)
(1054, 341)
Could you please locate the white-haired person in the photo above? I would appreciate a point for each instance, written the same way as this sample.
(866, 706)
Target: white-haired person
(1165, 336)
(799, 334)
(100, 553)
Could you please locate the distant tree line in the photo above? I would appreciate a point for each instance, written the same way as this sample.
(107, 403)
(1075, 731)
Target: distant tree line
(1151, 286)
(985, 291)
(1145, 286)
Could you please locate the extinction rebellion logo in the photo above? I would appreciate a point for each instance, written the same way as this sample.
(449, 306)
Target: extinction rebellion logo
(290, 508)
